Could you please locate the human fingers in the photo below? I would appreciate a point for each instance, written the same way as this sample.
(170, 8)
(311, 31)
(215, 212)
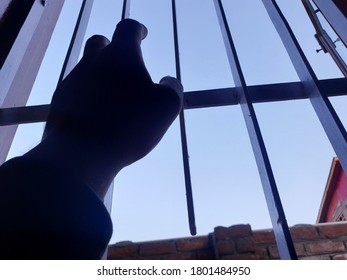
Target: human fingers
(173, 84)
(95, 44)
(130, 30)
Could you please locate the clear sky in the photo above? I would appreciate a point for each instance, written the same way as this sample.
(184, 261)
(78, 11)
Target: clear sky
(149, 196)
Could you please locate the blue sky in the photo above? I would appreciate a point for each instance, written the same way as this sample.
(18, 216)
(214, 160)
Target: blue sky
(149, 196)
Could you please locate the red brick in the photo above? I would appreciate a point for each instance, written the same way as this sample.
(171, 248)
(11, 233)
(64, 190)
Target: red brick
(262, 253)
(300, 249)
(304, 232)
(245, 245)
(225, 247)
(222, 233)
(333, 230)
(320, 242)
(205, 255)
(180, 256)
(264, 237)
(122, 250)
(273, 252)
(190, 244)
(325, 247)
(240, 257)
(157, 248)
(340, 257)
(148, 258)
(320, 257)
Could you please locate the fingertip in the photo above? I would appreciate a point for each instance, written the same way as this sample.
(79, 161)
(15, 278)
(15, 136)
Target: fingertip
(95, 44)
(172, 83)
(130, 28)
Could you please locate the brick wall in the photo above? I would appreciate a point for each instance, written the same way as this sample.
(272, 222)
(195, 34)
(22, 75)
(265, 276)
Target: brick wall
(318, 242)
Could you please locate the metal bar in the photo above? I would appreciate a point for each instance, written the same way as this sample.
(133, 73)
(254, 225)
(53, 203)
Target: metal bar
(319, 100)
(334, 16)
(109, 195)
(261, 93)
(324, 39)
(185, 155)
(16, 55)
(125, 9)
(19, 71)
(20, 115)
(12, 16)
(75, 46)
(3, 6)
(199, 99)
(283, 238)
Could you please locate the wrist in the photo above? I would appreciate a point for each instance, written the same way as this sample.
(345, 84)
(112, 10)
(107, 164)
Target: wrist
(78, 158)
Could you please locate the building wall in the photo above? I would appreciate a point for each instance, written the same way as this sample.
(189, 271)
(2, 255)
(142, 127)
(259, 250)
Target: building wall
(239, 242)
(338, 199)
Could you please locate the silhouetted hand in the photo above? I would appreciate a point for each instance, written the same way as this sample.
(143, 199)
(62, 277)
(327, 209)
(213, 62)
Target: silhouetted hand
(109, 100)
(105, 115)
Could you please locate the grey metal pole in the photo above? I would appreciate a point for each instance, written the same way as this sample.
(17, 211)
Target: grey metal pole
(76, 42)
(283, 238)
(19, 71)
(324, 39)
(335, 17)
(185, 155)
(329, 119)
(109, 195)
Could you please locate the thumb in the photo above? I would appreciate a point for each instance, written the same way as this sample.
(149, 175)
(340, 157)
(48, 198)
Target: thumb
(130, 29)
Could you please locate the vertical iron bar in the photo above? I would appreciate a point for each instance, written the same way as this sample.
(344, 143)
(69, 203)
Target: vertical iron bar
(187, 177)
(109, 195)
(323, 38)
(18, 73)
(319, 100)
(75, 46)
(334, 16)
(283, 238)
(125, 9)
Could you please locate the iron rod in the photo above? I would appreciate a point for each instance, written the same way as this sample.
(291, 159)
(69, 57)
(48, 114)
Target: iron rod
(199, 99)
(109, 195)
(22, 64)
(75, 46)
(281, 230)
(125, 9)
(108, 200)
(329, 119)
(335, 17)
(324, 39)
(185, 155)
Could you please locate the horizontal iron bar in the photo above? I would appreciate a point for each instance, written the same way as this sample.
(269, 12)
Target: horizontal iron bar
(199, 99)
(261, 93)
(22, 115)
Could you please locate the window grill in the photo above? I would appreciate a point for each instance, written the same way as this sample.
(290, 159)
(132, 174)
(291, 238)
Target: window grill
(309, 87)
(341, 218)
